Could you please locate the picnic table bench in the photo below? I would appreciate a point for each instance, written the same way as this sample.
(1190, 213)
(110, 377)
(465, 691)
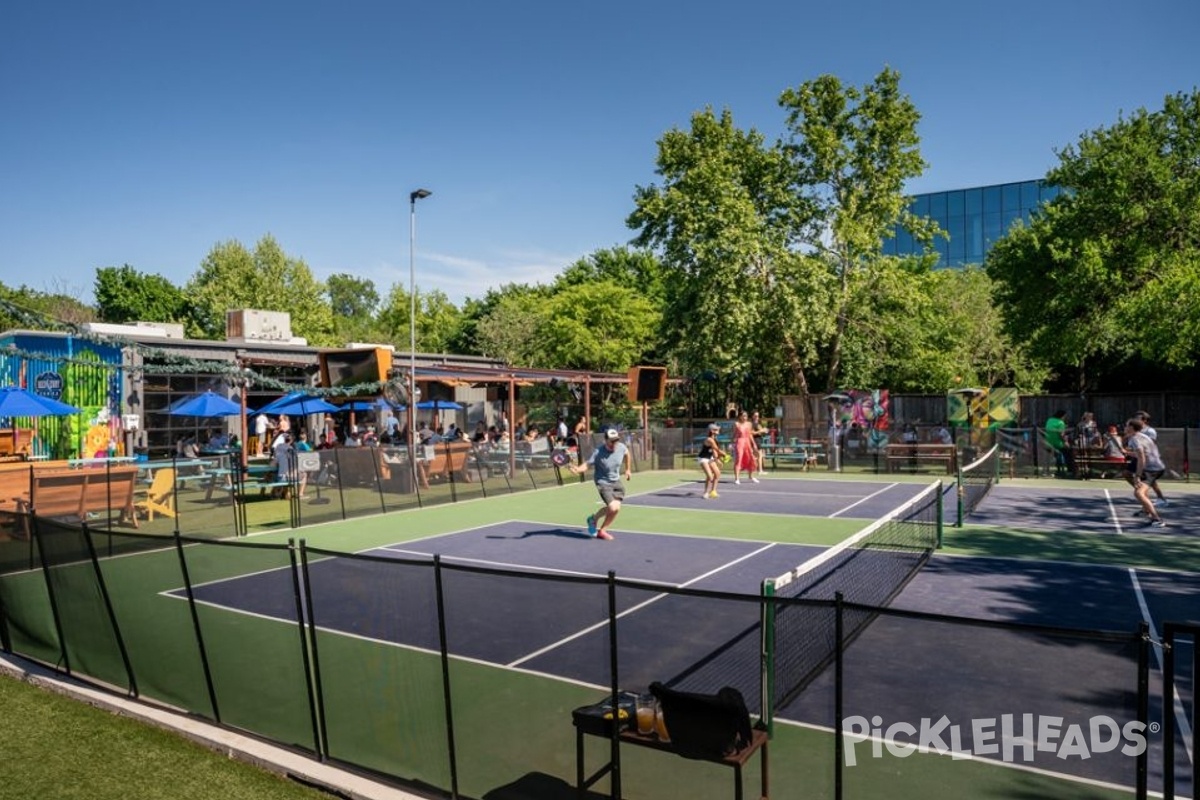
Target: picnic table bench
(914, 456)
(807, 452)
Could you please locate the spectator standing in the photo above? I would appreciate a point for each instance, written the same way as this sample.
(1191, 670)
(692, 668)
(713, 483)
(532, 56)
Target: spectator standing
(1056, 439)
(759, 432)
(1087, 432)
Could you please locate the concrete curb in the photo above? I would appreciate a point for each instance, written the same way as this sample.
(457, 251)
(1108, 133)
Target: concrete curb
(293, 766)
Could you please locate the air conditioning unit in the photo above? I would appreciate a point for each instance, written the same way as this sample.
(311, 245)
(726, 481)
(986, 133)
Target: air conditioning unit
(253, 325)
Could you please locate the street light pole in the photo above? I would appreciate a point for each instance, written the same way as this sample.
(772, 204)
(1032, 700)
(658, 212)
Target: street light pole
(413, 197)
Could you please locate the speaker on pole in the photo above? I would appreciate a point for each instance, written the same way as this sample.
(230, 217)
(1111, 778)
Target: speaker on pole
(647, 384)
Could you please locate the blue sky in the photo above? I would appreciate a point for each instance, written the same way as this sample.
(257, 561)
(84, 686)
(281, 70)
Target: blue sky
(144, 133)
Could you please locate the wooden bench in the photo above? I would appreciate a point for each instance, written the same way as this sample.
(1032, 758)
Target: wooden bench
(448, 459)
(14, 480)
(75, 494)
(913, 456)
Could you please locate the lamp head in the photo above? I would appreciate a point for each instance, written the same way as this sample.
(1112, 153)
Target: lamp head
(419, 194)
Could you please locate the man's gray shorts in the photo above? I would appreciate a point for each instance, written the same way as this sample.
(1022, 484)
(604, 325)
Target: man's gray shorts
(611, 491)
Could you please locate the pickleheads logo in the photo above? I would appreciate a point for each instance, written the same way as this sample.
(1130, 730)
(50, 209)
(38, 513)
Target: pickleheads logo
(1012, 737)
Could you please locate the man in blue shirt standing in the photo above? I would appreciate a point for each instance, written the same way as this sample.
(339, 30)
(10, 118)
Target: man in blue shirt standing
(608, 462)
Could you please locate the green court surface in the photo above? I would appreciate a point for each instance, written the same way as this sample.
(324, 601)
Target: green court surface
(383, 706)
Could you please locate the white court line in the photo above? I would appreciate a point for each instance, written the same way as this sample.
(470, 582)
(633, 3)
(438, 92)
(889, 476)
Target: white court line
(1185, 729)
(1112, 509)
(863, 500)
(630, 610)
(528, 568)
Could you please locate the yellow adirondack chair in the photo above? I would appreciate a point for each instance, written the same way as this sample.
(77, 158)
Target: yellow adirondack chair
(160, 495)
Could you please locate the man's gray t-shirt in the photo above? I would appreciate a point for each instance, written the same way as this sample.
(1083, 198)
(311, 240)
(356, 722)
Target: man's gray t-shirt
(608, 464)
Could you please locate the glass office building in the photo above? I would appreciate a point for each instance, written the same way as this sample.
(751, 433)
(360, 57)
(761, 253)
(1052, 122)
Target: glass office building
(973, 218)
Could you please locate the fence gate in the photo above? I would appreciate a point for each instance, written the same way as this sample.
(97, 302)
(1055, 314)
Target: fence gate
(1180, 668)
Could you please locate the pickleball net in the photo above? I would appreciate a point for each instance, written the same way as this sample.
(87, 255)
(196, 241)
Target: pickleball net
(867, 570)
(975, 481)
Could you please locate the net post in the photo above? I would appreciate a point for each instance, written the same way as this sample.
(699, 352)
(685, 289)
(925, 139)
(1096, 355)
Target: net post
(839, 741)
(768, 655)
(941, 509)
(962, 498)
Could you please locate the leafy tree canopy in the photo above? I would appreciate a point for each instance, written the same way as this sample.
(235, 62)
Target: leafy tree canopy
(125, 295)
(232, 277)
(1111, 268)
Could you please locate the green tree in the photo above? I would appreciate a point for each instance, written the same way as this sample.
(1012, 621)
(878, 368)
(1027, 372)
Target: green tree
(851, 151)
(506, 326)
(919, 330)
(737, 301)
(125, 295)
(354, 302)
(1111, 267)
(438, 320)
(771, 250)
(601, 325)
(231, 277)
(32, 309)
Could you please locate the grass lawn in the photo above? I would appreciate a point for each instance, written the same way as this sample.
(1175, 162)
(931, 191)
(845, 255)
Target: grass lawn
(56, 747)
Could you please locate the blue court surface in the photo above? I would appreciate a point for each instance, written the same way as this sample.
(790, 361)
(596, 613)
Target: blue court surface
(904, 666)
(813, 498)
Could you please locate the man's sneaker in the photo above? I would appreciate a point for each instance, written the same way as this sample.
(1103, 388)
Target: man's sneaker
(1162, 501)
(706, 495)
(713, 494)
(591, 521)
(1156, 523)
(737, 481)
(754, 479)
(605, 535)
(1139, 513)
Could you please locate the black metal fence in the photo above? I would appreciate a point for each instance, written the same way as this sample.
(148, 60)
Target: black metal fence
(460, 678)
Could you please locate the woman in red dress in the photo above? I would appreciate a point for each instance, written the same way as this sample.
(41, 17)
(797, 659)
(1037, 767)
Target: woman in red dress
(745, 449)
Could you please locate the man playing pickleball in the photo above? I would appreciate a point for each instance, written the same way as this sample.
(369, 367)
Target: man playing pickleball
(608, 461)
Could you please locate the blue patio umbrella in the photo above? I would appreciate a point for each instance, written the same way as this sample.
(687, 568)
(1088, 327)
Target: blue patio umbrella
(298, 404)
(18, 402)
(205, 404)
(439, 405)
(360, 405)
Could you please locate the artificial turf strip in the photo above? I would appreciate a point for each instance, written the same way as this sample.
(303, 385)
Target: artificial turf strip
(56, 747)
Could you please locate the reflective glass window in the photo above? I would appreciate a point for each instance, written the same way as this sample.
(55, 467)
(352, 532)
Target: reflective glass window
(991, 200)
(958, 242)
(1049, 192)
(937, 207)
(943, 249)
(993, 229)
(974, 201)
(954, 203)
(1012, 197)
(920, 206)
(904, 242)
(1029, 195)
(974, 238)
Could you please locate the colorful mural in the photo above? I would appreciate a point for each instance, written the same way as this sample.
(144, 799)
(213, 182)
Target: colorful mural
(983, 408)
(866, 408)
(74, 371)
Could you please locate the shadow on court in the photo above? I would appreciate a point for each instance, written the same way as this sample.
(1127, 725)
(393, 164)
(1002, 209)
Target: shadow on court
(1095, 510)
